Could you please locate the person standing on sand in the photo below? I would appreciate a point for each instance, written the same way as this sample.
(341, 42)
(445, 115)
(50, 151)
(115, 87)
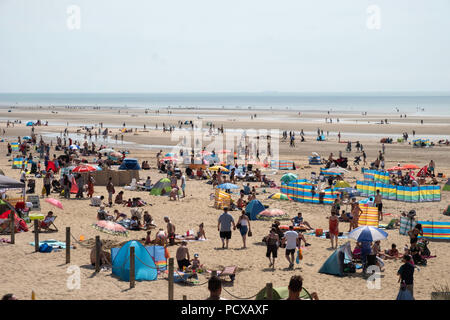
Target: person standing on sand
(272, 242)
(91, 182)
(333, 229)
(291, 240)
(111, 191)
(244, 223)
(224, 227)
(182, 256)
(183, 185)
(379, 204)
(170, 230)
(356, 210)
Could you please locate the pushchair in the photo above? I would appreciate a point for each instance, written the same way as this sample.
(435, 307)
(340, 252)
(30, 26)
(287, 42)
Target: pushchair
(31, 186)
(357, 160)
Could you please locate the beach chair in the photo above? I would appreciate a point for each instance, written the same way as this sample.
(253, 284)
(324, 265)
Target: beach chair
(229, 271)
(46, 225)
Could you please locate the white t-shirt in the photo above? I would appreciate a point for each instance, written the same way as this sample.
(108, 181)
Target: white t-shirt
(291, 239)
(96, 201)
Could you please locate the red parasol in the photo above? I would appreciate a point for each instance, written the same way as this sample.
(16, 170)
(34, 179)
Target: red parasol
(84, 168)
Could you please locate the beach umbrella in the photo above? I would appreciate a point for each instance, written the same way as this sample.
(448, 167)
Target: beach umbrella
(288, 177)
(74, 147)
(204, 152)
(227, 186)
(111, 228)
(279, 196)
(269, 214)
(224, 151)
(410, 167)
(26, 138)
(115, 154)
(336, 170)
(29, 123)
(396, 168)
(54, 202)
(169, 159)
(367, 233)
(217, 168)
(170, 154)
(107, 150)
(84, 168)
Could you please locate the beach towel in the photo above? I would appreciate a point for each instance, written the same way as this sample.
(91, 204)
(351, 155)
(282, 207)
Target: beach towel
(406, 224)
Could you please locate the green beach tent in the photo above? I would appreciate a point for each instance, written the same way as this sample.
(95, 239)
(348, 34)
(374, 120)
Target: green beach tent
(281, 293)
(162, 187)
(288, 177)
(335, 263)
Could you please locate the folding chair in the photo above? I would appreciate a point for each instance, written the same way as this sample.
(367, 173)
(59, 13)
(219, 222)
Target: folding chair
(46, 225)
(229, 271)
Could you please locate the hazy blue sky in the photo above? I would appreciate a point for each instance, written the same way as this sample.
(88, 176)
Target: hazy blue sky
(224, 45)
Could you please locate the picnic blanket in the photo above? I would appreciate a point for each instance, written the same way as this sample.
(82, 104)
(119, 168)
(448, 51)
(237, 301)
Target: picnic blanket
(53, 243)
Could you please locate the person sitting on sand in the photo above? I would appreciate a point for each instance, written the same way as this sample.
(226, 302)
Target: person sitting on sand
(201, 235)
(241, 203)
(135, 224)
(298, 221)
(393, 253)
(215, 288)
(96, 201)
(148, 221)
(102, 214)
(161, 238)
(105, 256)
(119, 215)
(357, 251)
(119, 198)
(148, 239)
(195, 263)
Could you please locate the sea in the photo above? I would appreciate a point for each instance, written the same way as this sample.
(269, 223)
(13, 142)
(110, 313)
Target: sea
(423, 104)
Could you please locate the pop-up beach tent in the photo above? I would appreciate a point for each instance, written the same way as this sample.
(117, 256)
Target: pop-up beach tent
(145, 266)
(130, 164)
(335, 263)
(162, 187)
(253, 208)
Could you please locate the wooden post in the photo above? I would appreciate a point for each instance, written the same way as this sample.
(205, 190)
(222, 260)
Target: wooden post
(36, 236)
(12, 226)
(269, 292)
(171, 278)
(132, 274)
(67, 245)
(97, 253)
(184, 297)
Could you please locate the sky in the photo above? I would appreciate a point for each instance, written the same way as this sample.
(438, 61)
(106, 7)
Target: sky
(168, 46)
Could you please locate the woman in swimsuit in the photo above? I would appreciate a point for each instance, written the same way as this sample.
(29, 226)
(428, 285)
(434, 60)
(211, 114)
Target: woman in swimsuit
(334, 228)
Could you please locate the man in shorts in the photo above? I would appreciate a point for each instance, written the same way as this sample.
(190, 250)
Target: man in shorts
(170, 231)
(291, 240)
(378, 202)
(224, 226)
(182, 255)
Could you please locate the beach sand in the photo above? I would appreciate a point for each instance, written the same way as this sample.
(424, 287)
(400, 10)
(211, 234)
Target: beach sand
(23, 270)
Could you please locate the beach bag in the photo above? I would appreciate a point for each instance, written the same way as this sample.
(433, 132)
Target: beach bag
(250, 234)
(45, 248)
(238, 226)
(299, 256)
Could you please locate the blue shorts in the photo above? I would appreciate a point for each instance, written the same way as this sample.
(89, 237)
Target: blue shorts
(243, 230)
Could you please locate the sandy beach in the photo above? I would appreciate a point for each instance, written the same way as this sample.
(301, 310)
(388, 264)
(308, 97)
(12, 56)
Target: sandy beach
(24, 271)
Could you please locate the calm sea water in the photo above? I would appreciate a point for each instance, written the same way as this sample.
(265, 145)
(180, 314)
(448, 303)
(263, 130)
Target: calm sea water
(423, 104)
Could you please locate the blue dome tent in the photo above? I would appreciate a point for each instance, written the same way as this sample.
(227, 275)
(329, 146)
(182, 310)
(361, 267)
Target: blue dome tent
(253, 208)
(335, 263)
(145, 267)
(130, 164)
